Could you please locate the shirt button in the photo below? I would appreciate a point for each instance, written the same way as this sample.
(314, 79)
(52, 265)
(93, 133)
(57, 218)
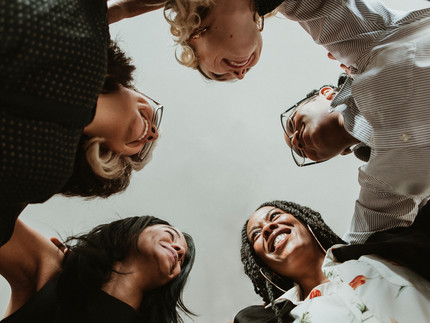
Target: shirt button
(405, 137)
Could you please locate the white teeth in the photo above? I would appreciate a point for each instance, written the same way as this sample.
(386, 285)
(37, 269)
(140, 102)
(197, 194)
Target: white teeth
(279, 239)
(238, 64)
(146, 129)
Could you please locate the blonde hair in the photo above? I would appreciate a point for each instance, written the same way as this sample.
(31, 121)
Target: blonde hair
(184, 17)
(109, 164)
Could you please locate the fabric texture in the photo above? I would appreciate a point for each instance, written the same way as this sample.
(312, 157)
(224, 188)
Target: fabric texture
(406, 246)
(368, 289)
(385, 103)
(98, 307)
(53, 60)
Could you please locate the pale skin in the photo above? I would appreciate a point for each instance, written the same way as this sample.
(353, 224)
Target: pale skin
(124, 120)
(29, 260)
(287, 247)
(228, 42)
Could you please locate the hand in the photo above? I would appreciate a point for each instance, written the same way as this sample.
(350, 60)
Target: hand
(346, 69)
(121, 9)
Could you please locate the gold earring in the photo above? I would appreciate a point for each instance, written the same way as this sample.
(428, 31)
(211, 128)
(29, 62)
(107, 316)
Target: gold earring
(260, 24)
(267, 278)
(315, 237)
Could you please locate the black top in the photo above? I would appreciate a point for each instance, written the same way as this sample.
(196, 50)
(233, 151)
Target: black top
(265, 6)
(98, 307)
(53, 62)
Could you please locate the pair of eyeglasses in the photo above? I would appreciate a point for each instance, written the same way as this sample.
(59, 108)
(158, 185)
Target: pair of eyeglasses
(287, 123)
(156, 120)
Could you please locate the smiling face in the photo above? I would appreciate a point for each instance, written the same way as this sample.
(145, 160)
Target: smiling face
(161, 251)
(228, 42)
(315, 131)
(282, 242)
(124, 119)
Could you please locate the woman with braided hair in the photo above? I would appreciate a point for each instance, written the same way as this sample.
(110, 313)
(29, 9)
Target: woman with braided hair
(288, 253)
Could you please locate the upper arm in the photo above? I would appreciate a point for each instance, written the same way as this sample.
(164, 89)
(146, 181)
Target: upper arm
(27, 261)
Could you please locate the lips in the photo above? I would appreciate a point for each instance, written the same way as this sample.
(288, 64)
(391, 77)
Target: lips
(238, 63)
(173, 255)
(278, 239)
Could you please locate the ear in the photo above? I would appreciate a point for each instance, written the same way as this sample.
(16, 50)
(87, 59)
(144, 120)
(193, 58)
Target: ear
(60, 246)
(327, 92)
(330, 55)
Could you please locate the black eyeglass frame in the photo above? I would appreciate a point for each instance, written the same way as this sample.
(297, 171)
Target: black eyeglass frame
(286, 115)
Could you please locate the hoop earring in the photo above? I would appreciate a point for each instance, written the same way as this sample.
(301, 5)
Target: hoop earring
(315, 237)
(267, 278)
(260, 24)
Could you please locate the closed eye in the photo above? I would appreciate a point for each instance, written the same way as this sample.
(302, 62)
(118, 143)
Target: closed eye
(171, 235)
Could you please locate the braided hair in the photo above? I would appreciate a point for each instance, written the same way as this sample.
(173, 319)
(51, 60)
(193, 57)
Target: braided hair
(255, 268)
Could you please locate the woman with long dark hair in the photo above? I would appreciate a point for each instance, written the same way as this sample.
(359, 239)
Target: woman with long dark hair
(129, 270)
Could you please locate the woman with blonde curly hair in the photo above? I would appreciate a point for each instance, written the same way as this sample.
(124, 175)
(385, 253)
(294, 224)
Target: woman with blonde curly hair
(220, 38)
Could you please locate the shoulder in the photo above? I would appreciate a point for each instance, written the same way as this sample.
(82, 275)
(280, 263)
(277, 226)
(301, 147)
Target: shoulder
(28, 261)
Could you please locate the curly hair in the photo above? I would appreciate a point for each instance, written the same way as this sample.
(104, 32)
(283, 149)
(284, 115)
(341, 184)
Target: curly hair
(184, 17)
(90, 264)
(254, 266)
(98, 171)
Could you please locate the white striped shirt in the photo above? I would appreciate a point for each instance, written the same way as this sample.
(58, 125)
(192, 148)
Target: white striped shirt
(386, 103)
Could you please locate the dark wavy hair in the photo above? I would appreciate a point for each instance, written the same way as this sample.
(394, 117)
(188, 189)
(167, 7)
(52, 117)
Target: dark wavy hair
(84, 181)
(254, 265)
(90, 264)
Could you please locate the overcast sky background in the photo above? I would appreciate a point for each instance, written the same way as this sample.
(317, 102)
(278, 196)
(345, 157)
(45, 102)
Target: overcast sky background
(220, 155)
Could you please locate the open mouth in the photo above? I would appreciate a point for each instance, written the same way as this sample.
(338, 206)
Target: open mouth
(279, 240)
(238, 64)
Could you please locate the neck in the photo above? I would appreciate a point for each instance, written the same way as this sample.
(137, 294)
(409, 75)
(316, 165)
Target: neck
(124, 288)
(312, 276)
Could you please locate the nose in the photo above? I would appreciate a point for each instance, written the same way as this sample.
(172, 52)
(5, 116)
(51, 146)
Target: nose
(295, 142)
(268, 229)
(180, 251)
(153, 133)
(240, 74)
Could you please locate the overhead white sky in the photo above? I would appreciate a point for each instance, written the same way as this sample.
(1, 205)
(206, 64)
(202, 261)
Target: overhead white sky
(221, 154)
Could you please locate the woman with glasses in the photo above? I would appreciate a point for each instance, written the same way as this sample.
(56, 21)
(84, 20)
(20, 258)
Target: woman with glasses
(290, 255)
(130, 270)
(57, 142)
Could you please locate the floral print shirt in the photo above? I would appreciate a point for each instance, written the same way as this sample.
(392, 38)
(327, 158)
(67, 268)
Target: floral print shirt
(369, 289)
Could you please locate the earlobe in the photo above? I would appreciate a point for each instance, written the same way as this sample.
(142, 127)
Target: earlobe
(327, 92)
